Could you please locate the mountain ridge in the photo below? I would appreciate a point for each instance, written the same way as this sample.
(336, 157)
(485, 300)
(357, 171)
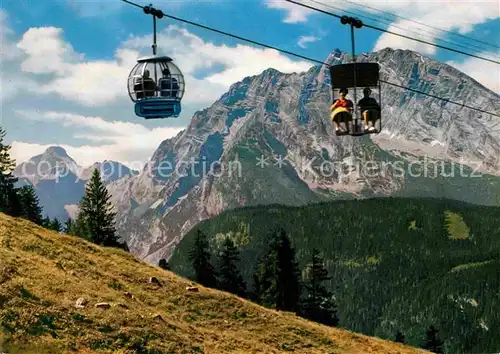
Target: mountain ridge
(59, 181)
(274, 114)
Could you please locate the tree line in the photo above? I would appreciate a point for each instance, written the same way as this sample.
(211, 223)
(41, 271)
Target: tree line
(95, 221)
(278, 282)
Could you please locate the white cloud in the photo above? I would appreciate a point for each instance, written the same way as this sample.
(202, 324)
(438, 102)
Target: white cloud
(193, 55)
(46, 52)
(74, 79)
(100, 82)
(294, 13)
(128, 143)
(303, 40)
(41, 61)
(12, 81)
(396, 42)
(459, 15)
(94, 83)
(8, 50)
(448, 15)
(484, 72)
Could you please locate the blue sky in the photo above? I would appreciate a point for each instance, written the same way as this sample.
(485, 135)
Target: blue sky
(65, 62)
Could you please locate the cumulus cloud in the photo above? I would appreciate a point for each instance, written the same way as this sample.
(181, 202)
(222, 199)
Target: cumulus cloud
(193, 55)
(447, 15)
(40, 61)
(128, 143)
(9, 51)
(456, 15)
(486, 73)
(12, 81)
(73, 78)
(303, 40)
(94, 82)
(294, 13)
(459, 15)
(46, 52)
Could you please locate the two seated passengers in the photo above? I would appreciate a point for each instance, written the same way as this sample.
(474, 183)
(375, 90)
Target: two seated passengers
(146, 86)
(342, 110)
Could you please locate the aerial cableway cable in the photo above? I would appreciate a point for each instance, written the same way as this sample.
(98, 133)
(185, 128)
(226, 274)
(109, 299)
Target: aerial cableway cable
(311, 59)
(396, 34)
(424, 24)
(428, 36)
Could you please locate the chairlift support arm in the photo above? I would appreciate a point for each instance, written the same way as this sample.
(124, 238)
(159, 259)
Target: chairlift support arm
(352, 22)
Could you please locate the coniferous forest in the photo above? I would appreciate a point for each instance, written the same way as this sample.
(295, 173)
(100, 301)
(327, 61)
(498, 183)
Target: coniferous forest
(419, 271)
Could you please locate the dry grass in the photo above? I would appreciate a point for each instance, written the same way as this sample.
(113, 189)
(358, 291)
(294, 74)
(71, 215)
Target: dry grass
(42, 274)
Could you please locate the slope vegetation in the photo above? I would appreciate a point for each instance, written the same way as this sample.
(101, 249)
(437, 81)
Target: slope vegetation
(44, 276)
(397, 264)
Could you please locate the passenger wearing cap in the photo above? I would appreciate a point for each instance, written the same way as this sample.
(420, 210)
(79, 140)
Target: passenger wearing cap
(370, 109)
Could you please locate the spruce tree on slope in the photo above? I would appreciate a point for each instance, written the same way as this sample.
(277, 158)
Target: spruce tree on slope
(56, 225)
(32, 210)
(278, 275)
(400, 338)
(96, 215)
(318, 304)
(68, 227)
(10, 202)
(200, 257)
(433, 343)
(47, 223)
(230, 279)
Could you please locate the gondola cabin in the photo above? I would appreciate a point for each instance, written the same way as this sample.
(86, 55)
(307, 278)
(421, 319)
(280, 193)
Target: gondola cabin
(156, 85)
(356, 105)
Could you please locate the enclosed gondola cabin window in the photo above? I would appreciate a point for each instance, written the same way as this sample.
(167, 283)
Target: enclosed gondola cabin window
(156, 85)
(156, 77)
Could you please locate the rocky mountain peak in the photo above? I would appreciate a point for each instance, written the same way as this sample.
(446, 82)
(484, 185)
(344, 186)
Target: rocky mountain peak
(229, 155)
(56, 151)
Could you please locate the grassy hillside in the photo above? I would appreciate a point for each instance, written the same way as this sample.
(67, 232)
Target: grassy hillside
(43, 274)
(397, 264)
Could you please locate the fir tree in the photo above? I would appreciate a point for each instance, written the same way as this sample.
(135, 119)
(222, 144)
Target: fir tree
(79, 228)
(318, 304)
(278, 275)
(56, 225)
(31, 210)
(433, 343)
(230, 279)
(96, 216)
(10, 202)
(265, 284)
(254, 293)
(47, 223)
(68, 227)
(400, 337)
(200, 257)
